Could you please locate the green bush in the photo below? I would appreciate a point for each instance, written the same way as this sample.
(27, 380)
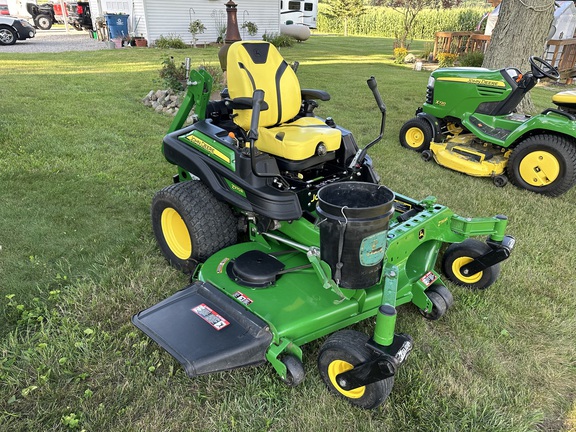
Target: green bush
(170, 41)
(172, 75)
(279, 40)
(474, 59)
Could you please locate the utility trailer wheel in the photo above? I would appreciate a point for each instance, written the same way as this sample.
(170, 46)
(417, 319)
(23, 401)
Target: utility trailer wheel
(295, 370)
(544, 164)
(416, 135)
(341, 352)
(500, 180)
(458, 255)
(43, 22)
(441, 299)
(190, 224)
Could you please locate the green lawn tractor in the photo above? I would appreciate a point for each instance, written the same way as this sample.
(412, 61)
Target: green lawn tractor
(288, 236)
(469, 124)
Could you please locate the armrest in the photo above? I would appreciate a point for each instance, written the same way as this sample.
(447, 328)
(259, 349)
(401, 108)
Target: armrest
(245, 103)
(315, 94)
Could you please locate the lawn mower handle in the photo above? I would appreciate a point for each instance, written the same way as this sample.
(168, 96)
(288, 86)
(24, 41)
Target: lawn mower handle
(257, 99)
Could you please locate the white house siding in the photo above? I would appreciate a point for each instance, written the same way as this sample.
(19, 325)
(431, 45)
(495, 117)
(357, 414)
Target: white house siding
(172, 17)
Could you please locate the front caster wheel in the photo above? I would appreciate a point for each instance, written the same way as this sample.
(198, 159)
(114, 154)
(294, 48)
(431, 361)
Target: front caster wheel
(295, 370)
(427, 155)
(343, 351)
(441, 299)
(500, 180)
(458, 255)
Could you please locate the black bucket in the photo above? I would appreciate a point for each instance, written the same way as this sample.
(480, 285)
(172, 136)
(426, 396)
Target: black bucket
(354, 218)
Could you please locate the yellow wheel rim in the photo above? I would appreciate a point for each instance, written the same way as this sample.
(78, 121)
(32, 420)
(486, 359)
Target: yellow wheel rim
(176, 233)
(337, 367)
(539, 168)
(414, 137)
(461, 262)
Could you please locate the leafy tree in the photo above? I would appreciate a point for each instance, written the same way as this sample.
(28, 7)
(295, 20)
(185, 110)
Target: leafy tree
(520, 32)
(345, 9)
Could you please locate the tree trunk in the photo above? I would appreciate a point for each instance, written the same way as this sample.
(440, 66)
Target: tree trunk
(520, 32)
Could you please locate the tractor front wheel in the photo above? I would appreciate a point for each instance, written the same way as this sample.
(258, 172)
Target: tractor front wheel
(458, 255)
(43, 22)
(416, 134)
(544, 164)
(343, 351)
(190, 224)
(441, 299)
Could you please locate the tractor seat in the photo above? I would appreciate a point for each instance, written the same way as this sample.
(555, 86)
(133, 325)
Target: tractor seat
(565, 99)
(256, 65)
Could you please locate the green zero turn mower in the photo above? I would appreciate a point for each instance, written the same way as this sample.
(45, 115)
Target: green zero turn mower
(468, 123)
(288, 236)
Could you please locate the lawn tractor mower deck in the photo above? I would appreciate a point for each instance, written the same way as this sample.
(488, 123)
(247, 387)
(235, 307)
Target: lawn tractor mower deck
(280, 219)
(469, 123)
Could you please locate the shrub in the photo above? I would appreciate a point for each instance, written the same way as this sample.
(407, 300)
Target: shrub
(250, 27)
(400, 55)
(446, 59)
(172, 75)
(474, 59)
(279, 40)
(170, 41)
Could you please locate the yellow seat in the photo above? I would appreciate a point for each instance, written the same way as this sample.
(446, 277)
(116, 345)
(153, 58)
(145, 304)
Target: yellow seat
(565, 99)
(256, 65)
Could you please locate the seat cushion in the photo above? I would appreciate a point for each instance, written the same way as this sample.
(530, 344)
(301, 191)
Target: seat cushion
(299, 139)
(565, 98)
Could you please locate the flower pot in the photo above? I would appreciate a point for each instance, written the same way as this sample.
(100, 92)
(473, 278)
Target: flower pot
(141, 42)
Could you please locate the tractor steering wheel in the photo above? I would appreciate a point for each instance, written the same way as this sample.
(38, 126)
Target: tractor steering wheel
(541, 68)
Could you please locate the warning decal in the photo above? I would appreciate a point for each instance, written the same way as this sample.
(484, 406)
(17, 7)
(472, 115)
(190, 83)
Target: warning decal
(242, 298)
(428, 278)
(210, 316)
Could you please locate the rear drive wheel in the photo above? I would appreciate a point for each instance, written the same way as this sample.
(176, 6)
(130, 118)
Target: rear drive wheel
(7, 36)
(458, 255)
(43, 22)
(190, 224)
(341, 352)
(416, 134)
(544, 164)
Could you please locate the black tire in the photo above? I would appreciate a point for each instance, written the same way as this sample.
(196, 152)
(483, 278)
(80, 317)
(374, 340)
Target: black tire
(544, 164)
(295, 370)
(441, 299)
(43, 22)
(342, 351)
(7, 36)
(190, 224)
(500, 180)
(416, 134)
(459, 254)
(427, 155)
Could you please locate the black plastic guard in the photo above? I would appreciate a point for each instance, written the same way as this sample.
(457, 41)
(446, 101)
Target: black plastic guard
(205, 330)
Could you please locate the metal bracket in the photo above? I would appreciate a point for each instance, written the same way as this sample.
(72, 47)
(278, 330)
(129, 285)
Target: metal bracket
(500, 251)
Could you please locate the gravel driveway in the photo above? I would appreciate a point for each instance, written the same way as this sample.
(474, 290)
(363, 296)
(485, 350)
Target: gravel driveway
(53, 41)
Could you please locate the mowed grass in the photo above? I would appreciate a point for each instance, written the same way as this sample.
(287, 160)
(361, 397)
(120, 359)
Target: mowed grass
(80, 161)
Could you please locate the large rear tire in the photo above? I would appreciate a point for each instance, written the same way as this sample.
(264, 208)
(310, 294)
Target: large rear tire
(190, 224)
(545, 164)
(43, 22)
(416, 135)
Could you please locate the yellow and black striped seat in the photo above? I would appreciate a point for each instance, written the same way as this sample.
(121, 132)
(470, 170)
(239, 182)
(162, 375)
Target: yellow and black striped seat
(255, 65)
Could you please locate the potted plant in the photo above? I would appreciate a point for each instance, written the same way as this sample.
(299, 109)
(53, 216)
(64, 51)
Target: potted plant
(250, 27)
(140, 41)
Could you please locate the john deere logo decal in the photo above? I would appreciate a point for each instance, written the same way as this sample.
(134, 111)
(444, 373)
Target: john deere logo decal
(476, 81)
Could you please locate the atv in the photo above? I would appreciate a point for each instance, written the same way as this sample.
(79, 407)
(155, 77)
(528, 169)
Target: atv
(279, 218)
(468, 123)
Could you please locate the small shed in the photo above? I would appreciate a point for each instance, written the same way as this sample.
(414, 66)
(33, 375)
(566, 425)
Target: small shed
(154, 18)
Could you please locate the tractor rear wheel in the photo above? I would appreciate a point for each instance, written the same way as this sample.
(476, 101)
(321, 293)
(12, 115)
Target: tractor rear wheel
(544, 164)
(416, 134)
(43, 22)
(343, 351)
(458, 255)
(190, 224)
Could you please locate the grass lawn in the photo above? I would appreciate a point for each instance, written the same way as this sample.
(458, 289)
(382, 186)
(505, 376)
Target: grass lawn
(79, 163)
